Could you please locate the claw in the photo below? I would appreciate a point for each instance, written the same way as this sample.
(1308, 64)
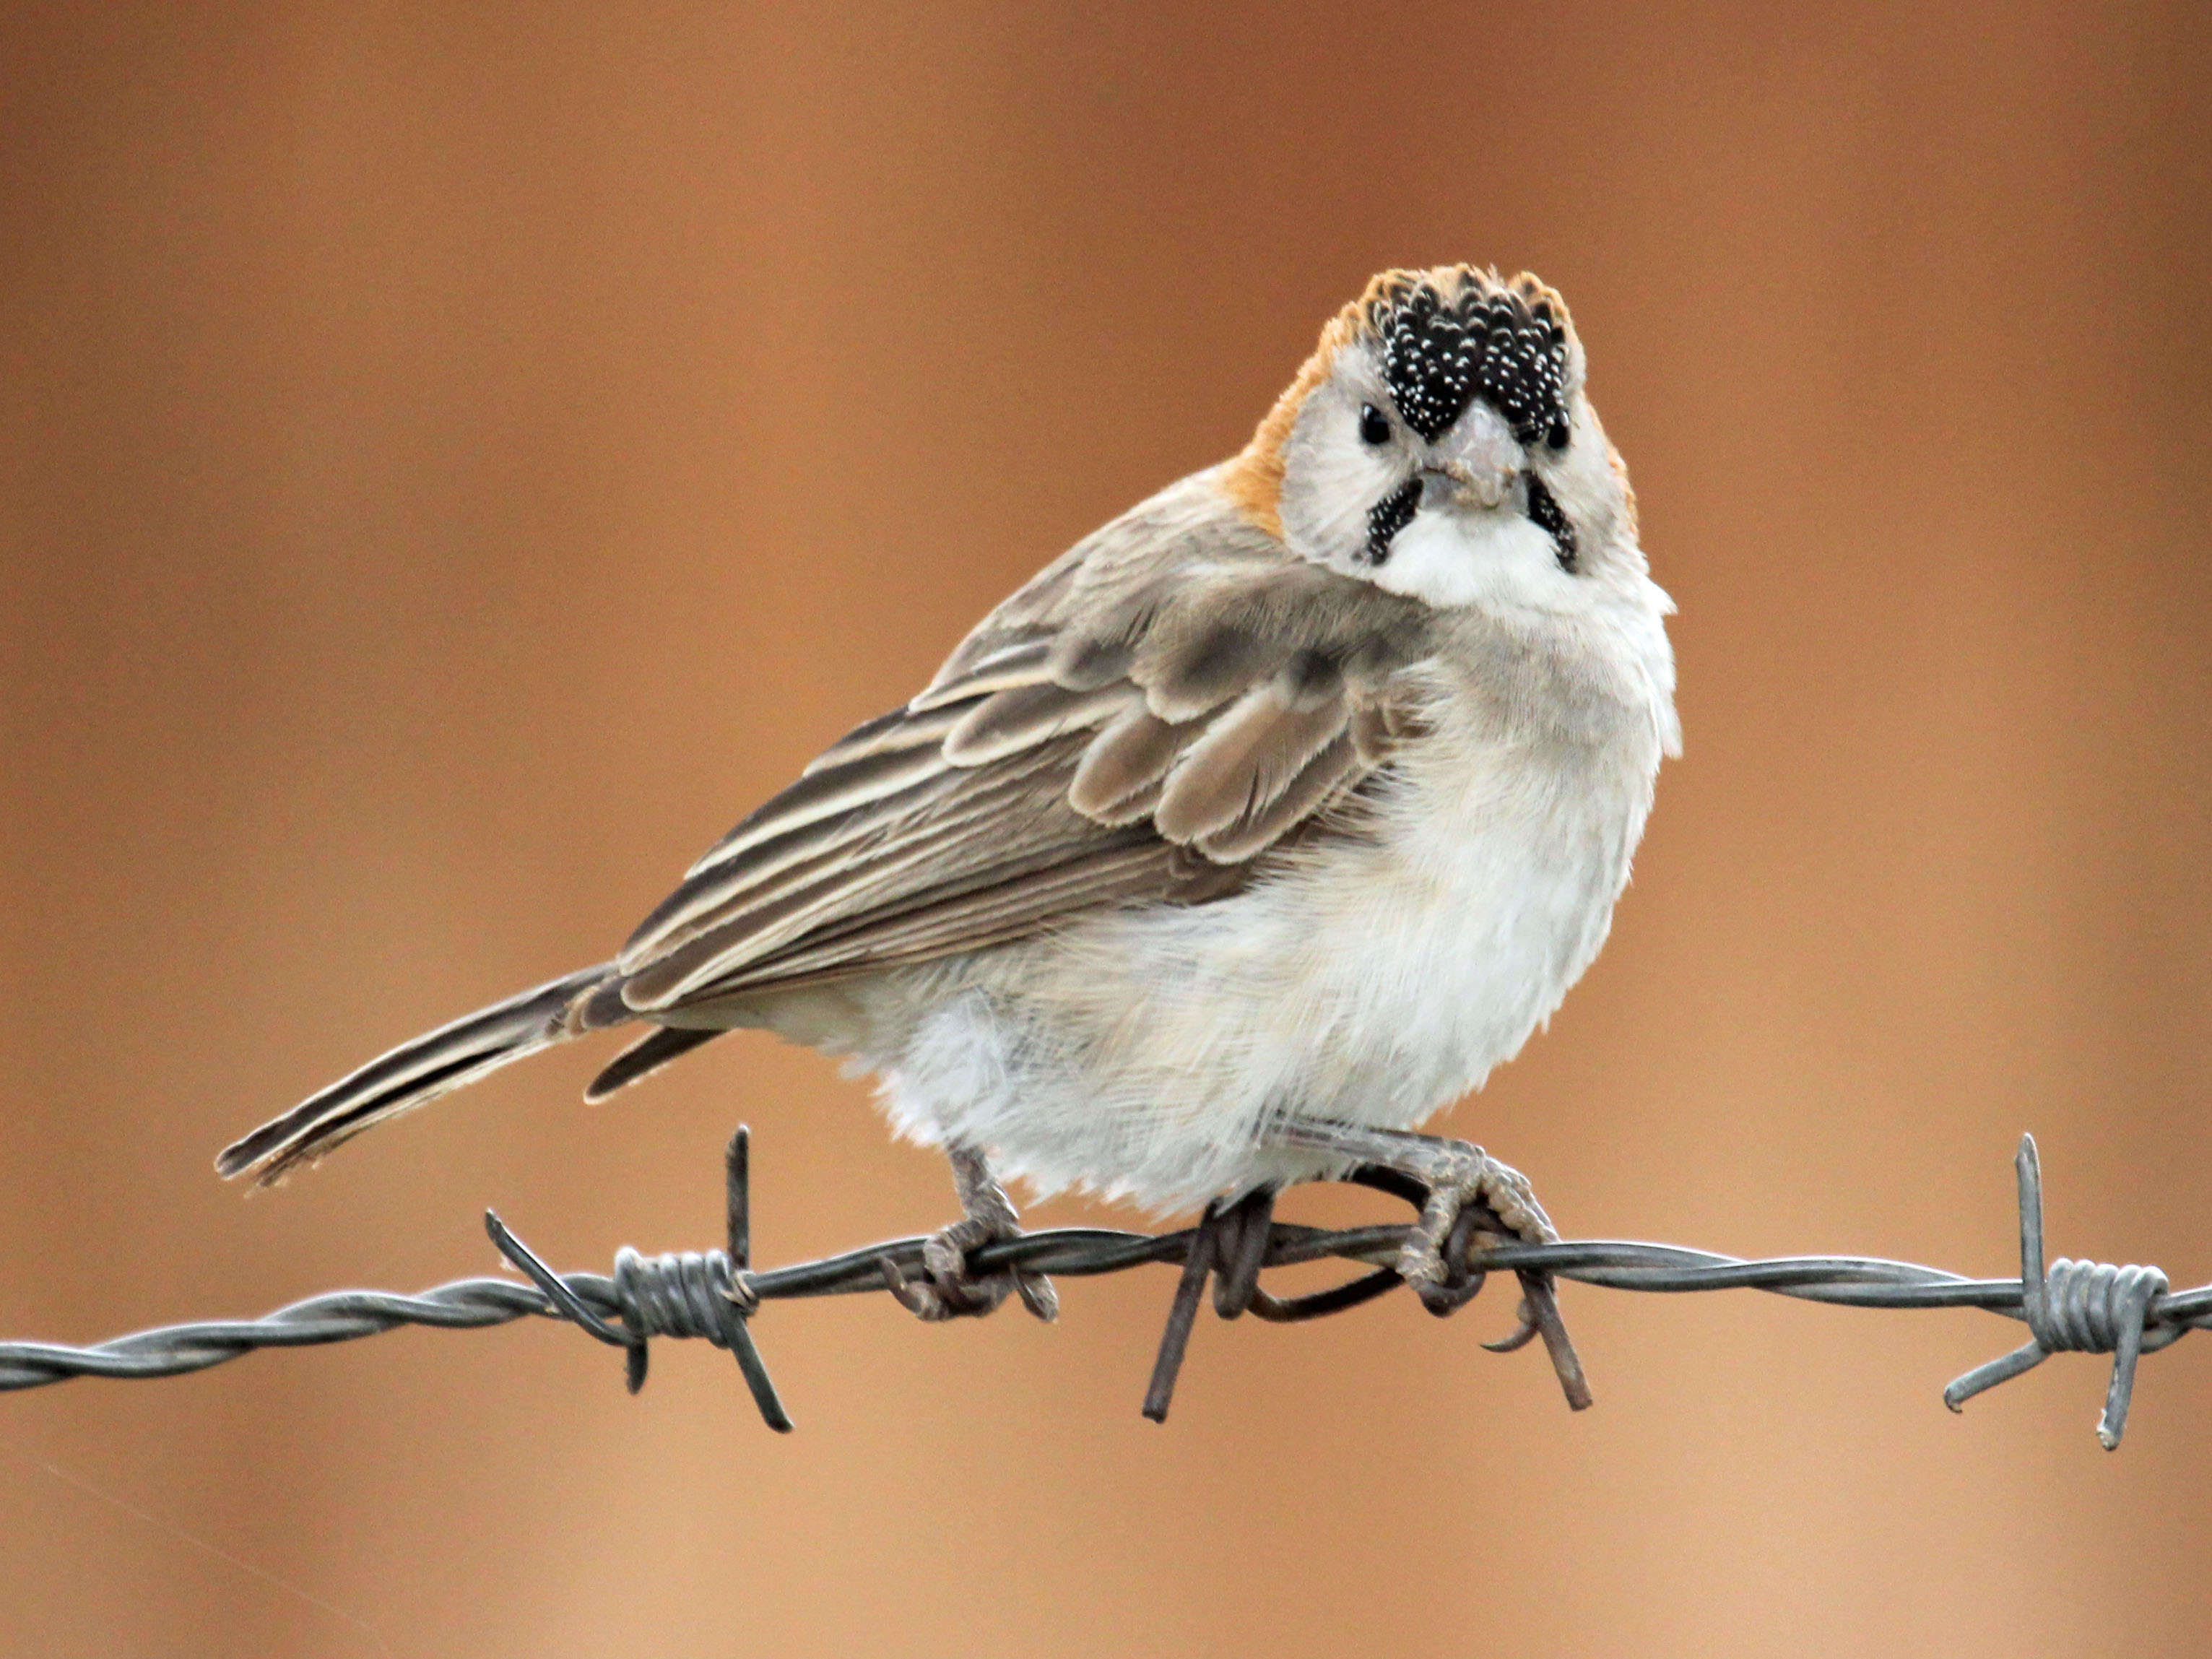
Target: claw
(1528, 1331)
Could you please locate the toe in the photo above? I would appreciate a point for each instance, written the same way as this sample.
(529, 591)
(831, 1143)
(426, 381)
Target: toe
(1038, 1296)
(923, 1301)
(1506, 1191)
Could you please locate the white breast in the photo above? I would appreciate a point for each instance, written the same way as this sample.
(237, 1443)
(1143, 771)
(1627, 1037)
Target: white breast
(1139, 1052)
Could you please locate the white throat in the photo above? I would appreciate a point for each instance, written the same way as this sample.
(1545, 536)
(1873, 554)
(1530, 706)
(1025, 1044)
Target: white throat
(1496, 559)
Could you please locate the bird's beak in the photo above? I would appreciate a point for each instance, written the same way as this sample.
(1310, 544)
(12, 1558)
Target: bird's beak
(1475, 467)
(1455, 484)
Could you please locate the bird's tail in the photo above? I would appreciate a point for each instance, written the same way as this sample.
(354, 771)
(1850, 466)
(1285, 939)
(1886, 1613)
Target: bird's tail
(412, 1075)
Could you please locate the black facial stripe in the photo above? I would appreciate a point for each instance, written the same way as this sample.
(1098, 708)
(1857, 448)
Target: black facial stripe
(1438, 358)
(1544, 512)
(1390, 515)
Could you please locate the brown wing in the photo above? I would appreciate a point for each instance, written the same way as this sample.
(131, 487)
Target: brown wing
(1142, 723)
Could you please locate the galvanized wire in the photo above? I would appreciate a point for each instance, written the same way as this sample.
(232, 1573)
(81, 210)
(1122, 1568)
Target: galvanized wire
(2072, 1306)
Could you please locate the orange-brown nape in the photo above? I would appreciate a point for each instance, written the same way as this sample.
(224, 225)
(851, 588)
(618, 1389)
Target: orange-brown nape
(1439, 335)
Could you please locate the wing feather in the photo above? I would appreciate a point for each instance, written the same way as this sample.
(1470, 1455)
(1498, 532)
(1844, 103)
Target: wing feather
(1265, 821)
(890, 753)
(991, 914)
(1145, 722)
(1012, 663)
(1020, 717)
(1253, 753)
(1124, 769)
(1008, 825)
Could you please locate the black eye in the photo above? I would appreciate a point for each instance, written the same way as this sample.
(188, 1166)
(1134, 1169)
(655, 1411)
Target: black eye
(1373, 427)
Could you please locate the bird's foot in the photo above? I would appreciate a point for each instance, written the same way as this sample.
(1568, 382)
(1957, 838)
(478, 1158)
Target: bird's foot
(952, 1289)
(1466, 1197)
(1471, 1196)
(1469, 1201)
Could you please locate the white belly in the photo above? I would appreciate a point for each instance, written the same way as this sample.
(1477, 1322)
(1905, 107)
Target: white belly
(1139, 1054)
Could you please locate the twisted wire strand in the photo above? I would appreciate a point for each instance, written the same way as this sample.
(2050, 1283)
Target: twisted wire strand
(2070, 1306)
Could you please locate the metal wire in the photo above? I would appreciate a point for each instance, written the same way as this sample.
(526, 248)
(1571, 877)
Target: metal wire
(2072, 1306)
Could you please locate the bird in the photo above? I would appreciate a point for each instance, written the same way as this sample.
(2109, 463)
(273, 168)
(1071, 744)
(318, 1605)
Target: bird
(1256, 828)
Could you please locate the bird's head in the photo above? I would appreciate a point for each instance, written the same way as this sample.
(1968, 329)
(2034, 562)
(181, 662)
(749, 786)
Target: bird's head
(1438, 444)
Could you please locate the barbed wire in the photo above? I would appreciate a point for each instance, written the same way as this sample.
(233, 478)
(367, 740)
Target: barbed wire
(2068, 1307)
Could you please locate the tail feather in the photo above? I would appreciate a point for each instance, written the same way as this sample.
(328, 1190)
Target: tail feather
(410, 1076)
(646, 1055)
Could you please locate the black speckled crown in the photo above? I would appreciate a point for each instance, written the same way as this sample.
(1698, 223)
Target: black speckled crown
(1440, 354)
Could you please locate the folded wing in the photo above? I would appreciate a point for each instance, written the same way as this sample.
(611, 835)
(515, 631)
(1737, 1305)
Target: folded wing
(1143, 723)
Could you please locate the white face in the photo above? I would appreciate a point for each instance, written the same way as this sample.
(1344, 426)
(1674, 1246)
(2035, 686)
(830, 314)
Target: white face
(1471, 517)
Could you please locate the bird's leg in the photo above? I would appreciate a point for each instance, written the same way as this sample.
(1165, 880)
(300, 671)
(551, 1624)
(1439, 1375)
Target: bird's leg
(1455, 1174)
(950, 1289)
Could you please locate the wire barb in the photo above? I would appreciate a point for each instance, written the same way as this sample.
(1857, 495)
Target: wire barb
(2068, 1307)
(2075, 1307)
(689, 1293)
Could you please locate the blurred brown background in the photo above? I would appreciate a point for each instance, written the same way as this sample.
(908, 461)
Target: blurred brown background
(458, 459)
